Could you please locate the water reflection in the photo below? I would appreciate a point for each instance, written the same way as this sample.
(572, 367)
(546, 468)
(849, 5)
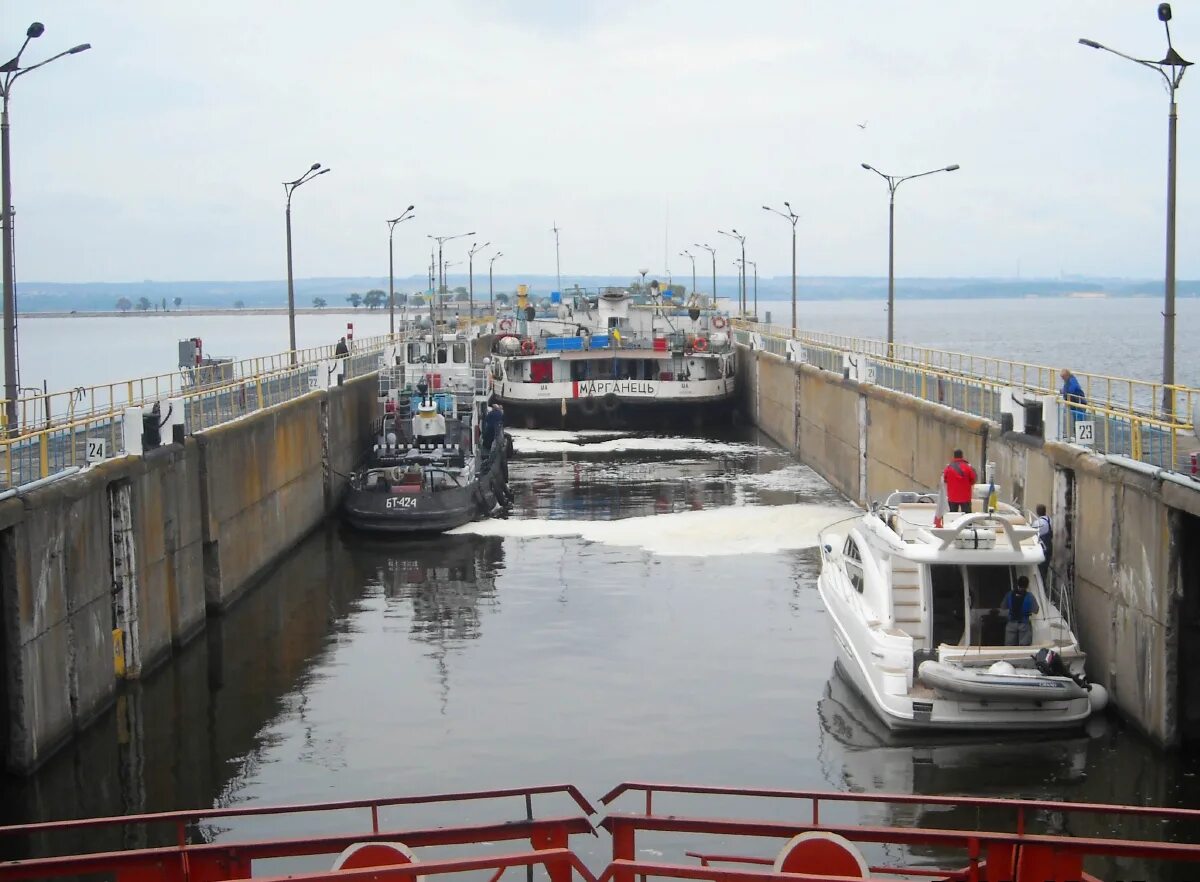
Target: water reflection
(439, 586)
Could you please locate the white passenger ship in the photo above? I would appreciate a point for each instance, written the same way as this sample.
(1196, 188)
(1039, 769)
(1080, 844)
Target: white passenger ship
(603, 360)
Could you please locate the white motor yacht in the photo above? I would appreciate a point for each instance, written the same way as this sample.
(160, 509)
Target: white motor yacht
(915, 601)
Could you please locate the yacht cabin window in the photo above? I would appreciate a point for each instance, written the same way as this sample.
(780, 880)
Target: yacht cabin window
(854, 567)
(441, 354)
(460, 353)
(967, 602)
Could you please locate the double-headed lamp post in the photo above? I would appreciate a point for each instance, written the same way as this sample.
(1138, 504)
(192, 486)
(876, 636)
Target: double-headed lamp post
(405, 215)
(10, 71)
(471, 280)
(742, 241)
(712, 251)
(289, 187)
(1172, 68)
(692, 258)
(491, 292)
(791, 217)
(894, 181)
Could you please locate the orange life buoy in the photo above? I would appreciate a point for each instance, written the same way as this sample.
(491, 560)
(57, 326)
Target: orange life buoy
(718, 322)
(701, 344)
(506, 324)
(528, 347)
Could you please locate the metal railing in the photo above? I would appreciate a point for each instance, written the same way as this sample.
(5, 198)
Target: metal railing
(1125, 414)
(68, 422)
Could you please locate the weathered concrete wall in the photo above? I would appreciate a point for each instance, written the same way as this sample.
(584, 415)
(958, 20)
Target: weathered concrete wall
(56, 614)
(262, 489)
(208, 518)
(1114, 526)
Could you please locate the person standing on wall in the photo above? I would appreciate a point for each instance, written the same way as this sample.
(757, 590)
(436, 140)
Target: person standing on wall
(1045, 534)
(1072, 392)
(960, 482)
(341, 350)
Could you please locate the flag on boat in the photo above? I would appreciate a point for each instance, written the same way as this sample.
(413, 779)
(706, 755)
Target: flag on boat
(993, 501)
(943, 504)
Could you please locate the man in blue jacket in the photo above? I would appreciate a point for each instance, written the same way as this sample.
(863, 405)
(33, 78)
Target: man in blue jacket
(1020, 605)
(1072, 392)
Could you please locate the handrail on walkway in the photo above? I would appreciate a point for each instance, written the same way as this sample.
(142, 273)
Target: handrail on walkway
(1126, 414)
(58, 428)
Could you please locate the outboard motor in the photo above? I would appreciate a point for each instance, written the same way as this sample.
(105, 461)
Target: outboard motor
(1048, 662)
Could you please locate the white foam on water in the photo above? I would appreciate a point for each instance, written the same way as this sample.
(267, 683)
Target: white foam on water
(563, 435)
(708, 533)
(796, 478)
(636, 444)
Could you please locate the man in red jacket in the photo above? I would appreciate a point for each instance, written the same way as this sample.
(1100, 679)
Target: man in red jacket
(960, 480)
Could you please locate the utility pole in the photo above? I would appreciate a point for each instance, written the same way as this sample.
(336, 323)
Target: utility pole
(557, 263)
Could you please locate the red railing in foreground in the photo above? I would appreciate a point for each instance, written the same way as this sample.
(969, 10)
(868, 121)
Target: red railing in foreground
(985, 855)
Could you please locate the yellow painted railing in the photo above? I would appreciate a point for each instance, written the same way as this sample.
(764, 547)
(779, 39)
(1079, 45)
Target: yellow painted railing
(1127, 414)
(56, 428)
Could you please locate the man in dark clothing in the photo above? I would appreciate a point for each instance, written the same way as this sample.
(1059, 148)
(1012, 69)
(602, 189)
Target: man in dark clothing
(1020, 605)
(341, 350)
(960, 482)
(1045, 531)
(493, 425)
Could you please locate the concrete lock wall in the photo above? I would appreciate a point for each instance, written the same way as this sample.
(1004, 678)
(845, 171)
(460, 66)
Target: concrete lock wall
(204, 520)
(1114, 526)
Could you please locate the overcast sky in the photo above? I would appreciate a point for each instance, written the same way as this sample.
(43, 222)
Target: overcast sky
(159, 153)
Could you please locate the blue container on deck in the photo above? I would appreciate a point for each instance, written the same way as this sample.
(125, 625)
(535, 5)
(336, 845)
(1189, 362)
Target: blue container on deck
(556, 296)
(599, 341)
(563, 344)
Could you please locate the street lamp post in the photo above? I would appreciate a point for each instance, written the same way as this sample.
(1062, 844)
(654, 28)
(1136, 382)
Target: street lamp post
(692, 258)
(791, 217)
(742, 241)
(289, 187)
(471, 280)
(894, 181)
(491, 294)
(557, 264)
(1174, 63)
(713, 252)
(441, 240)
(392, 268)
(10, 71)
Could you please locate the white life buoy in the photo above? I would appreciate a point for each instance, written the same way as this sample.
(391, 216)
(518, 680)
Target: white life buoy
(506, 324)
(718, 322)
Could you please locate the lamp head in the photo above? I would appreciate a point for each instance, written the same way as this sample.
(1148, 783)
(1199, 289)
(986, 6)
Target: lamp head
(82, 47)
(952, 167)
(1091, 44)
(789, 205)
(1164, 12)
(768, 208)
(323, 171)
(867, 167)
(36, 29)
(410, 208)
(314, 166)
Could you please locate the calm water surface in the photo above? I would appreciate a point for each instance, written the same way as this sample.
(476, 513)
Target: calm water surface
(649, 612)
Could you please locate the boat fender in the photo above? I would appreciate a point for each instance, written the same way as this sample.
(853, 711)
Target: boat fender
(1097, 697)
(701, 345)
(588, 405)
(611, 402)
(582, 331)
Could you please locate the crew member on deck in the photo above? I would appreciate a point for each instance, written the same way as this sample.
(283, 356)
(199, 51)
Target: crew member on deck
(1020, 605)
(429, 426)
(960, 482)
(493, 425)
